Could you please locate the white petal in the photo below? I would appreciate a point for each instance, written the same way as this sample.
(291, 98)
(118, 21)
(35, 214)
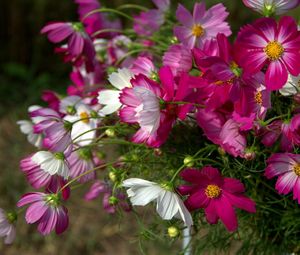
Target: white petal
(137, 182)
(143, 195)
(121, 78)
(291, 87)
(183, 213)
(69, 101)
(167, 205)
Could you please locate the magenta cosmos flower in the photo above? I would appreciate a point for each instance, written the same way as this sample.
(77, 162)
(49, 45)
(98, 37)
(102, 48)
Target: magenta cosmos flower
(269, 7)
(202, 25)
(287, 167)
(217, 195)
(153, 106)
(265, 43)
(46, 210)
(78, 40)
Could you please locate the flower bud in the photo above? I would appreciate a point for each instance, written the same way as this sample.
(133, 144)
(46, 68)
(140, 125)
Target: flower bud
(112, 176)
(188, 161)
(157, 152)
(110, 132)
(113, 200)
(221, 151)
(173, 231)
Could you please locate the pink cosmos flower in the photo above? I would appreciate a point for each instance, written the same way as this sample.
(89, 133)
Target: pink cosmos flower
(266, 43)
(146, 23)
(7, 228)
(287, 167)
(287, 132)
(145, 66)
(216, 194)
(57, 132)
(81, 161)
(202, 25)
(45, 210)
(41, 167)
(178, 58)
(101, 187)
(269, 7)
(78, 41)
(150, 105)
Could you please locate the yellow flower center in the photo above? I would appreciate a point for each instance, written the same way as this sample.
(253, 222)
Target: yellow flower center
(297, 169)
(258, 98)
(213, 191)
(274, 50)
(197, 30)
(84, 117)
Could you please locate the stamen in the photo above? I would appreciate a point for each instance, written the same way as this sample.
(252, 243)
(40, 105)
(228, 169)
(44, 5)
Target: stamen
(197, 30)
(213, 191)
(84, 117)
(274, 50)
(258, 98)
(296, 169)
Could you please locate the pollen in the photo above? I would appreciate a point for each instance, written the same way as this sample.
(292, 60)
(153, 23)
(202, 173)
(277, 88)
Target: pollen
(84, 117)
(274, 50)
(296, 169)
(197, 30)
(213, 191)
(258, 98)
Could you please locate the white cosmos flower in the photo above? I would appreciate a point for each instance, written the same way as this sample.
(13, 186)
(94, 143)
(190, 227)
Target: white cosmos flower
(51, 163)
(168, 203)
(291, 87)
(83, 130)
(68, 103)
(110, 98)
(26, 128)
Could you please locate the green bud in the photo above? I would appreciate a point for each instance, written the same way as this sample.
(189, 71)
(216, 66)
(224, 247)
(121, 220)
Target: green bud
(110, 132)
(112, 176)
(113, 200)
(188, 161)
(71, 109)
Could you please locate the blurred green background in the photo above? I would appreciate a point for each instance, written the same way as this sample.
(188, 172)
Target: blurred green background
(27, 67)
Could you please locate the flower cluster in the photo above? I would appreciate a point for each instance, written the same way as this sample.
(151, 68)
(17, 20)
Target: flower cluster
(136, 89)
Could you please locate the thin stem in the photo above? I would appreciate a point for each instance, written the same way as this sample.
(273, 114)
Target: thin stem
(85, 173)
(132, 6)
(108, 10)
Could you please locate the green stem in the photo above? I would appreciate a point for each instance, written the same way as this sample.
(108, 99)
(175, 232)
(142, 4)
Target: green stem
(108, 10)
(132, 6)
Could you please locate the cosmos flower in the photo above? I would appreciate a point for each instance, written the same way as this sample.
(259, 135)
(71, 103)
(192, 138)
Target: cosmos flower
(7, 228)
(45, 210)
(168, 203)
(286, 166)
(216, 194)
(110, 98)
(202, 25)
(277, 46)
(291, 87)
(269, 7)
(42, 166)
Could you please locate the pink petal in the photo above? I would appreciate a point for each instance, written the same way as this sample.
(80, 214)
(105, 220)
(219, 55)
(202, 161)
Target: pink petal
(211, 212)
(197, 200)
(285, 183)
(75, 44)
(287, 29)
(166, 77)
(62, 220)
(292, 63)
(241, 201)
(184, 16)
(276, 75)
(233, 185)
(35, 212)
(296, 190)
(226, 213)
(198, 13)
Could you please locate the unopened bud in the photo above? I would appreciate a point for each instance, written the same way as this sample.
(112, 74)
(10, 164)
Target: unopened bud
(173, 231)
(113, 200)
(110, 132)
(221, 151)
(249, 155)
(157, 152)
(188, 161)
(112, 176)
